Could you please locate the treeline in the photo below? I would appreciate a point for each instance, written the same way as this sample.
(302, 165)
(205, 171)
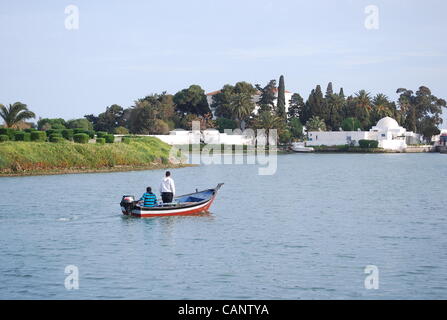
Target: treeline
(418, 111)
(156, 113)
(244, 105)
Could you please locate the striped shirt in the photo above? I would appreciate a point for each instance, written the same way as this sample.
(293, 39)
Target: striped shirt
(149, 199)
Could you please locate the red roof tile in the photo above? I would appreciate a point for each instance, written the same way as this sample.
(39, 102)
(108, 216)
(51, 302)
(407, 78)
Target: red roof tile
(219, 91)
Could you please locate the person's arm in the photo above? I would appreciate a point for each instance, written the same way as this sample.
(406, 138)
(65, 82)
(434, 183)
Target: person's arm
(173, 187)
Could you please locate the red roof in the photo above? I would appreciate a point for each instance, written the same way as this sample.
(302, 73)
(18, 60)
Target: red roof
(219, 91)
(213, 93)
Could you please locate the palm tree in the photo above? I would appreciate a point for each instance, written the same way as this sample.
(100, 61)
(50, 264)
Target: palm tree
(315, 124)
(241, 106)
(363, 107)
(15, 113)
(268, 121)
(363, 99)
(382, 107)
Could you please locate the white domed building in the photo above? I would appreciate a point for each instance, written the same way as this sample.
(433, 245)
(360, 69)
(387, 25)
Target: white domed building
(387, 131)
(389, 134)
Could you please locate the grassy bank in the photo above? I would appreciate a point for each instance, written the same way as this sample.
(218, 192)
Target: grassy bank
(23, 158)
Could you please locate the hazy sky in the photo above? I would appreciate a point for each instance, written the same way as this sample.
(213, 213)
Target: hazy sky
(124, 50)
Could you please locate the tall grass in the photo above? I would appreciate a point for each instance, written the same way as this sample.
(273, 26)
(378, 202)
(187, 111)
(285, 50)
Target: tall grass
(35, 156)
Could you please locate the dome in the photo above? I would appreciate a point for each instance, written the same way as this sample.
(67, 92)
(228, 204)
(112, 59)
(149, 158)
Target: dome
(387, 123)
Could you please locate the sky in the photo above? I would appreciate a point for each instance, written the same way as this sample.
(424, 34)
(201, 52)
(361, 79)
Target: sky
(125, 50)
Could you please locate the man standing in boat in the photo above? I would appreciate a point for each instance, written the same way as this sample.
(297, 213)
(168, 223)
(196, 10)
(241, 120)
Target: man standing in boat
(167, 188)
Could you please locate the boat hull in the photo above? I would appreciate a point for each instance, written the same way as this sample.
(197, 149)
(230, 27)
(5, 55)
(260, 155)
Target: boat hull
(300, 147)
(141, 213)
(303, 150)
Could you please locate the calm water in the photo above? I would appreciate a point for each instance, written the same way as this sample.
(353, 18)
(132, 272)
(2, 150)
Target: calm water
(307, 232)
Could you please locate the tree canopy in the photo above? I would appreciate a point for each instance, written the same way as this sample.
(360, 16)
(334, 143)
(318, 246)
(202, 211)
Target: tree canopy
(191, 101)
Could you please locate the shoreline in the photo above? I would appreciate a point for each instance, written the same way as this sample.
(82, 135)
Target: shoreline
(343, 149)
(51, 172)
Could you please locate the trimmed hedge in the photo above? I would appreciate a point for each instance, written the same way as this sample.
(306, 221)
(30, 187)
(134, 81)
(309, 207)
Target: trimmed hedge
(9, 132)
(50, 132)
(101, 140)
(56, 138)
(81, 138)
(38, 136)
(125, 140)
(110, 138)
(90, 133)
(4, 137)
(369, 144)
(22, 136)
(101, 134)
(67, 134)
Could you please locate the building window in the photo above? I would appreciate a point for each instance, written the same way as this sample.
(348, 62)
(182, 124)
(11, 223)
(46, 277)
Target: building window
(383, 135)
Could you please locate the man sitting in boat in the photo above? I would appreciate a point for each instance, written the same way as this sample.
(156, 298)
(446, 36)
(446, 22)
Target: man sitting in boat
(148, 199)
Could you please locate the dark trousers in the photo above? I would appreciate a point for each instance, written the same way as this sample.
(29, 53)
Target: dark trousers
(167, 197)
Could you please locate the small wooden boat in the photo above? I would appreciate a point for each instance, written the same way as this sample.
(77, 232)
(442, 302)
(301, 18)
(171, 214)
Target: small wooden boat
(187, 204)
(300, 147)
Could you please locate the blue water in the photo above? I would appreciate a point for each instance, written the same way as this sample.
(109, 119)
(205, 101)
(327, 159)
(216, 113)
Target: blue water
(307, 232)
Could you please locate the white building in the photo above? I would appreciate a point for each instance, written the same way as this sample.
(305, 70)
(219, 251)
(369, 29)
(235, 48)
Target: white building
(390, 135)
(255, 99)
(209, 136)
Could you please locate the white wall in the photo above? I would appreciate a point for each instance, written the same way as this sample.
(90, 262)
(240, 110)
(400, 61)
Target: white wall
(335, 138)
(338, 138)
(208, 136)
(399, 145)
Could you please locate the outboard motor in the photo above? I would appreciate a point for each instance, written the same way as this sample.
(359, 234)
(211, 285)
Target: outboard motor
(127, 204)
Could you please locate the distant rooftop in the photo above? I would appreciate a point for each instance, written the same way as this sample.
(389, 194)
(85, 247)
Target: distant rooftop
(219, 91)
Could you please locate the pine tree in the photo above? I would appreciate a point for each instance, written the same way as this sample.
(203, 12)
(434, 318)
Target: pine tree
(297, 106)
(281, 102)
(317, 103)
(267, 97)
(329, 90)
(342, 94)
(306, 114)
(326, 109)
